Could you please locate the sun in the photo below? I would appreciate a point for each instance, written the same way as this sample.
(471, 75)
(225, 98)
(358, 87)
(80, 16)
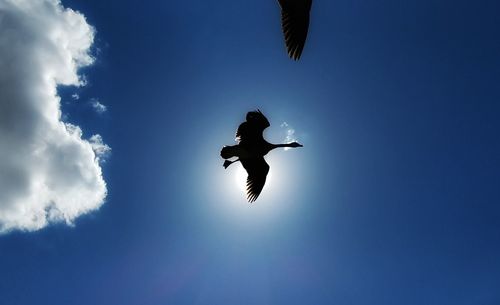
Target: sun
(232, 187)
(241, 179)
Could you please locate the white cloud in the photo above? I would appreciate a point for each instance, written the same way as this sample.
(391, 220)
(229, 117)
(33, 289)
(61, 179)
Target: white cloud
(48, 172)
(98, 107)
(100, 149)
(289, 134)
(75, 96)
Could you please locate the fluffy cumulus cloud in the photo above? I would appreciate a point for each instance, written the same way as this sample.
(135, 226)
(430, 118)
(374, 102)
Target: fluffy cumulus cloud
(48, 172)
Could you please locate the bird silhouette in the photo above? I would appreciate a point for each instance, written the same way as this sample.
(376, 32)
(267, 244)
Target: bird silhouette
(250, 151)
(295, 24)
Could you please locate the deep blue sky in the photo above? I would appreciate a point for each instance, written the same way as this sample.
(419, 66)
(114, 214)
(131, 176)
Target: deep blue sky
(394, 199)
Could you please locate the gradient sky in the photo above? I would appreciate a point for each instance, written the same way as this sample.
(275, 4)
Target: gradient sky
(394, 199)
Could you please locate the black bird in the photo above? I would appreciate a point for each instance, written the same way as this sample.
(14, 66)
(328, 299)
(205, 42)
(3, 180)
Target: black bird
(295, 23)
(250, 151)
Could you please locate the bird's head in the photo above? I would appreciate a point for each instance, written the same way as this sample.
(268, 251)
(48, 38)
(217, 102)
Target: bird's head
(295, 144)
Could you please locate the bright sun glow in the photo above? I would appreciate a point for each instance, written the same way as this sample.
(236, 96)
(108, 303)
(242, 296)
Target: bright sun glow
(241, 179)
(226, 191)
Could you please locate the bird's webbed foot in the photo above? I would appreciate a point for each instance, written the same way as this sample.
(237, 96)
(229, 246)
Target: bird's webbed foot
(227, 163)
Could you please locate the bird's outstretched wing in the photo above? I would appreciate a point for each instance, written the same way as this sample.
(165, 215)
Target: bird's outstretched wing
(257, 170)
(295, 24)
(250, 132)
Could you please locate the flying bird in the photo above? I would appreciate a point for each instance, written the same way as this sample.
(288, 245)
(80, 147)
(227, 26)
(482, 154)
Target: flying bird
(295, 24)
(250, 151)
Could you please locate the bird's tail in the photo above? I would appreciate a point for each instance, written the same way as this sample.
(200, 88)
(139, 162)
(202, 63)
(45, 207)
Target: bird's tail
(228, 152)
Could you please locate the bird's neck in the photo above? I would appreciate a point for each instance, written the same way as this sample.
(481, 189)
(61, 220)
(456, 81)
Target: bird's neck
(281, 145)
(270, 146)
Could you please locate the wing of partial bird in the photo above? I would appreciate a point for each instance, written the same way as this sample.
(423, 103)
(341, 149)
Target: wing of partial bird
(257, 170)
(250, 132)
(295, 24)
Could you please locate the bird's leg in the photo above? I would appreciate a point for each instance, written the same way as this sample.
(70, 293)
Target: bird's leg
(227, 162)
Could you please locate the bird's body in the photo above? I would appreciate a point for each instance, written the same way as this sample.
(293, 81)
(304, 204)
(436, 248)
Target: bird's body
(243, 151)
(295, 25)
(250, 151)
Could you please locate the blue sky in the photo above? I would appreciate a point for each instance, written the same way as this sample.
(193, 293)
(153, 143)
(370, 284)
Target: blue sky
(394, 198)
